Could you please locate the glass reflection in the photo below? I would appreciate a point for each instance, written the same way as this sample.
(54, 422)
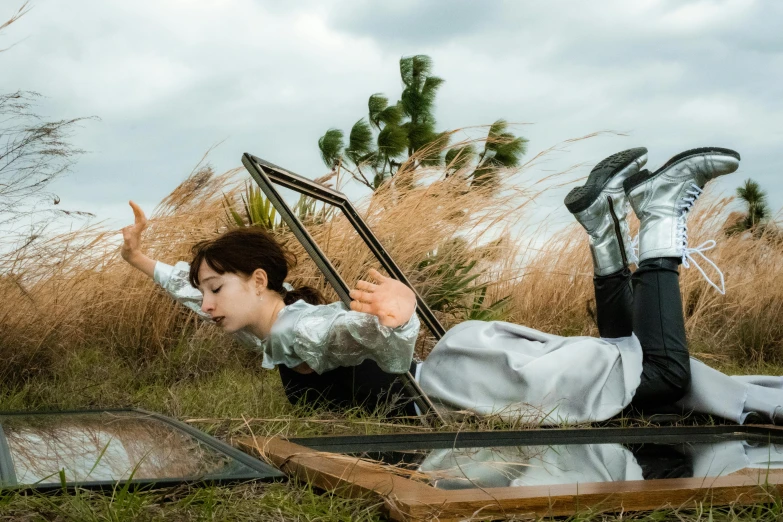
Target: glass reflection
(104, 447)
(490, 467)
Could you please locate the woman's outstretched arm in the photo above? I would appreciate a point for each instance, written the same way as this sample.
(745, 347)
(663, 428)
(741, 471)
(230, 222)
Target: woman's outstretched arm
(131, 243)
(173, 279)
(381, 325)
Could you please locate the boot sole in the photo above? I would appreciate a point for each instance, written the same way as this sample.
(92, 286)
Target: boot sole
(696, 152)
(644, 175)
(580, 198)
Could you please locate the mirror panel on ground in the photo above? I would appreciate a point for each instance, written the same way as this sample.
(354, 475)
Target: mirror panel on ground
(513, 466)
(683, 454)
(49, 450)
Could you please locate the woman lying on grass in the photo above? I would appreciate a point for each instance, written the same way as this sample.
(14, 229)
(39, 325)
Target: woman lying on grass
(332, 356)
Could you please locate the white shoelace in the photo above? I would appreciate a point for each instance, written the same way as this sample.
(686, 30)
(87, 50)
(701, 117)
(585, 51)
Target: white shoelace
(685, 205)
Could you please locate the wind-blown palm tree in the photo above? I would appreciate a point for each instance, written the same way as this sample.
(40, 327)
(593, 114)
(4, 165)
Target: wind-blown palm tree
(756, 218)
(501, 150)
(390, 134)
(755, 198)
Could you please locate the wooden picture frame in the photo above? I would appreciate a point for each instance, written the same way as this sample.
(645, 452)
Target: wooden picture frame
(406, 499)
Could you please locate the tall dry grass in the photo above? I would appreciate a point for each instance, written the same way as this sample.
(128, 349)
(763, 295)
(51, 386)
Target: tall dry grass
(72, 292)
(69, 292)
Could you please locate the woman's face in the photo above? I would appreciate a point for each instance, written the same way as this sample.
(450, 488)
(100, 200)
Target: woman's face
(229, 299)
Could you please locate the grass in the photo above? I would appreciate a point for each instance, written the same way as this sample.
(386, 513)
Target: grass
(277, 501)
(81, 329)
(289, 502)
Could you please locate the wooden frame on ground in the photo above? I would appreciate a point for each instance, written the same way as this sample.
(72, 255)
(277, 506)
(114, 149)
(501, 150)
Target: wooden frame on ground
(408, 499)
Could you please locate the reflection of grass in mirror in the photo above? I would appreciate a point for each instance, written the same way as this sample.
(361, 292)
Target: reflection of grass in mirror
(61, 472)
(105, 447)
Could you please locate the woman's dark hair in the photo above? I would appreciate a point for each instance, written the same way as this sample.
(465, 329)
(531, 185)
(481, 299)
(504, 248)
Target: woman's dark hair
(244, 250)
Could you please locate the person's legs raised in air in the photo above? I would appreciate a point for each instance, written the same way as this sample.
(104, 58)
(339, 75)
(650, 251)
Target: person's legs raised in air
(661, 201)
(600, 206)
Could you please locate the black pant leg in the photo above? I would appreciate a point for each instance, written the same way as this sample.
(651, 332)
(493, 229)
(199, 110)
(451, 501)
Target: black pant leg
(365, 386)
(659, 324)
(614, 304)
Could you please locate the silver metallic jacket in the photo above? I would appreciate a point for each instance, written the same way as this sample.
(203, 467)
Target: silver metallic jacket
(323, 336)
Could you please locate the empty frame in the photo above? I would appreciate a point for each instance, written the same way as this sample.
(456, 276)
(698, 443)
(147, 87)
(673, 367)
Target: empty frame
(268, 176)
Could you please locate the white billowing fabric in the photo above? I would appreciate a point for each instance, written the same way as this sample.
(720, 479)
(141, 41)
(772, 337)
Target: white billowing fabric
(323, 336)
(764, 395)
(520, 373)
(733, 397)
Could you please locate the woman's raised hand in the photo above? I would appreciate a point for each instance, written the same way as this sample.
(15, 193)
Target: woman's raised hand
(388, 299)
(131, 242)
(131, 235)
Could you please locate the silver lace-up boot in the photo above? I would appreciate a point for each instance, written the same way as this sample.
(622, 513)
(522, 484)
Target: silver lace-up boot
(662, 200)
(600, 206)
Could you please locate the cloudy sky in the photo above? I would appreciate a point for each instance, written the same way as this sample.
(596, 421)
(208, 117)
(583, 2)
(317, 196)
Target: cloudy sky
(170, 78)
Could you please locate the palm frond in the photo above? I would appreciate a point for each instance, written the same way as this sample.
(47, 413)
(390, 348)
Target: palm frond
(414, 70)
(391, 115)
(376, 105)
(430, 89)
(359, 141)
(392, 141)
(420, 134)
(431, 154)
(509, 154)
(502, 149)
(496, 129)
(331, 147)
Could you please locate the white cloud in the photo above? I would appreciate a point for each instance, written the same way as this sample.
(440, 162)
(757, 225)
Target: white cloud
(170, 78)
(706, 15)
